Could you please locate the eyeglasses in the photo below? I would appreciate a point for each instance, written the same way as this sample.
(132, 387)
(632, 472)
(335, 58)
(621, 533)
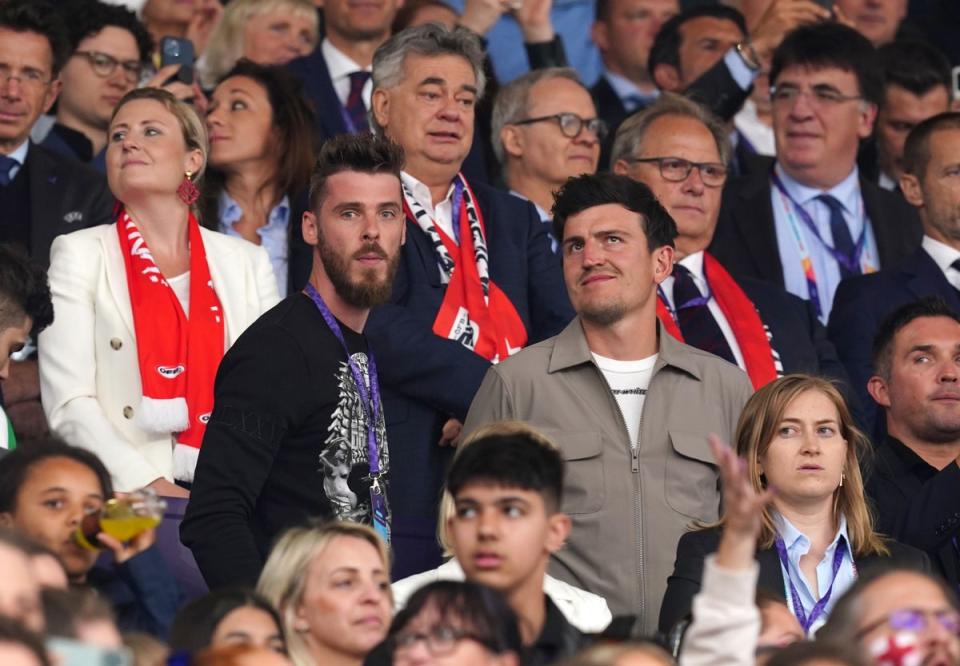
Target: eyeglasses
(104, 65)
(916, 620)
(821, 96)
(677, 169)
(28, 78)
(571, 124)
(440, 640)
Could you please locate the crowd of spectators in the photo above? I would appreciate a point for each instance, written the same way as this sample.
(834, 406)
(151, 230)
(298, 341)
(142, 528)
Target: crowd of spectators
(479, 332)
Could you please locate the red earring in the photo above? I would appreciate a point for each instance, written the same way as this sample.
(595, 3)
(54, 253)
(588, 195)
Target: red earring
(187, 191)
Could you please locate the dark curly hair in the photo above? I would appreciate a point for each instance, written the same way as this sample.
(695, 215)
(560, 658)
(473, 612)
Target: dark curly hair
(24, 291)
(89, 17)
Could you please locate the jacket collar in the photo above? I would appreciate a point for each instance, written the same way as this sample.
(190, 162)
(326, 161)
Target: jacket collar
(570, 349)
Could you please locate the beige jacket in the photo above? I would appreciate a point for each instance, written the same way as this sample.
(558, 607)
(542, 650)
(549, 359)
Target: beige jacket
(629, 505)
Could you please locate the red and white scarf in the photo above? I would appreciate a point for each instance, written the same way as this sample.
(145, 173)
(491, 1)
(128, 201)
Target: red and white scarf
(741, 314)
(178, 355)
(474, 311)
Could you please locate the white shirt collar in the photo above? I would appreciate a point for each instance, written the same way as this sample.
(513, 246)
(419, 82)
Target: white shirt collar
(544, 215)
(626, 88)
(847, 191)
(794, 538)
(886, 182)
(339, 64)
(20, 152)
(422, 193)
(942, 254)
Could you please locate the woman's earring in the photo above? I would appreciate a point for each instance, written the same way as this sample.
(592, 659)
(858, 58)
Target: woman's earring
(187, 191)
(841, 479)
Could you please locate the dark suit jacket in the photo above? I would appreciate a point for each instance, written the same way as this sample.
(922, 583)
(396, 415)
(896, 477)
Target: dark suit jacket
(64, 196)
(692, 551)
(860, 306)
(745, 241)
(797, 334)
(427, 379)
(715, 89)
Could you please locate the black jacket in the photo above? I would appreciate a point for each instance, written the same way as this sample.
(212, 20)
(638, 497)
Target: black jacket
(693, 548)
(745, 241)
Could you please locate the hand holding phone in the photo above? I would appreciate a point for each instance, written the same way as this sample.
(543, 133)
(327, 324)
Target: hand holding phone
(178, 51)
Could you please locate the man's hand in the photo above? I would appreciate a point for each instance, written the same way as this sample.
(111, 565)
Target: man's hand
(742, 508)
(481, 15)
(189, 93)
(451, 433)
(534, 19)
(205, 18)
(166, 489)
(781, 17)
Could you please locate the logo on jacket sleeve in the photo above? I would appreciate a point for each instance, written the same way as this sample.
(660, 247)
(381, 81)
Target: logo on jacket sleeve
(169, 372)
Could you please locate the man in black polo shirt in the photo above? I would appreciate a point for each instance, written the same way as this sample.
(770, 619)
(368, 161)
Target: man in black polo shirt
(915, 480)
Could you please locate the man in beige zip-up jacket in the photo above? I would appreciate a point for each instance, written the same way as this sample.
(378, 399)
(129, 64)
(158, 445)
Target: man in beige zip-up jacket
(630, 497)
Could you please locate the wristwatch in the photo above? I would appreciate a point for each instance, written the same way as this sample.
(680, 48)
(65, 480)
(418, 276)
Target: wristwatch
(748, 54)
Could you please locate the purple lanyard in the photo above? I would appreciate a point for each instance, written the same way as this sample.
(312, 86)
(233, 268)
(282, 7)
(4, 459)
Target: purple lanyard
(371, 403)
(852, 264)
(819, 608)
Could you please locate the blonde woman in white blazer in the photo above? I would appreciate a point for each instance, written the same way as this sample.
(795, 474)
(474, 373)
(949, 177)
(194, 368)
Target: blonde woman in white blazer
(98, 390)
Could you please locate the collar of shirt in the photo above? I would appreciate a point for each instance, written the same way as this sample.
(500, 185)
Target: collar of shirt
(230, 213)
(757, 134)
(847, 191)
(943, 256)
(798, 544)
(694, 264)
(442, 213)
(628, 91)
(898, 459)
(76, 140)
(886, 182)
(341, 66)
(20, 155)
(544, 215)
(555, 636)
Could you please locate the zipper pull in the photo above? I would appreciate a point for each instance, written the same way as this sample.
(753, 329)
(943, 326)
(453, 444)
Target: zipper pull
(635, 459)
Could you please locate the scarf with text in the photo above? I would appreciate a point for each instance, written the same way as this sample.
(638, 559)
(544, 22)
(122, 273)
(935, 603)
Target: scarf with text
(741, 314)
(475, 312)
(178, 355)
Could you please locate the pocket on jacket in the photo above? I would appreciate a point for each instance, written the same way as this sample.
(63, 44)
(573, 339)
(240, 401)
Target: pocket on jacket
(691, 477)
(583, 487)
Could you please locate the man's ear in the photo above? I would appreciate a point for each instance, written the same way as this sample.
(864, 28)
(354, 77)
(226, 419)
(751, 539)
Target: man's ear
(310, 229)
(912, 192)
(868, 114)
(662, 263)
(558, 529)
(6, 519)
(55, 87)
(667, 77)
(598, 33)
(621, 167)
(879, 390)
(512, 140)
(380, 106)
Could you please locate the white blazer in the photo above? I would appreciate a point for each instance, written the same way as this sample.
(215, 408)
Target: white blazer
(89, 371)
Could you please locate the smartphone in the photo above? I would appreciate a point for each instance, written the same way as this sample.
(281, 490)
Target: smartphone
(177, 51)
(69, 652)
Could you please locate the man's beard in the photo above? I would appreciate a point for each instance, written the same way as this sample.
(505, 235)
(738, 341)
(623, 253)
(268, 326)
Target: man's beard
(606, 314)
(367, 292)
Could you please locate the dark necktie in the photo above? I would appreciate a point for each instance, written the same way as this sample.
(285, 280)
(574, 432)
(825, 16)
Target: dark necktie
(6, 166)
(697, 325)
(842, 241)
(355, 108)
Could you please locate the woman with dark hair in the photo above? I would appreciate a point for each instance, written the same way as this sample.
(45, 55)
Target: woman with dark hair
(227, 617)
(261, 155)
(456, 623)
(797, 435)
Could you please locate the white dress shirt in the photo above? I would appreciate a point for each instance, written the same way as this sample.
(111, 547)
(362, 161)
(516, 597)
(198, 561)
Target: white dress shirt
(442, 213)
(694, 264)
(341, 66)
(20, 155)
(943, 256)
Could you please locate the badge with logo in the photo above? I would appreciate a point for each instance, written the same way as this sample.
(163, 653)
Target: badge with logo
(168, 372)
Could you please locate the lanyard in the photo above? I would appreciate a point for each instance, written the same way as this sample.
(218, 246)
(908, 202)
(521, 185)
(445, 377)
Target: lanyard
(370, 402)
(693, 302)
(820, 607)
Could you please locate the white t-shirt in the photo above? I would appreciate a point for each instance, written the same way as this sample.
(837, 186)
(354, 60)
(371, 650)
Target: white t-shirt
(629, 381)
(181, 288)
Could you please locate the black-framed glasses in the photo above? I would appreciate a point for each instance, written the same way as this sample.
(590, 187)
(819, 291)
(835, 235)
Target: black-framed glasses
(819, 96)
(916, 620)
(570, 124)
(440, 640)
(677, 169)
(104, 65)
